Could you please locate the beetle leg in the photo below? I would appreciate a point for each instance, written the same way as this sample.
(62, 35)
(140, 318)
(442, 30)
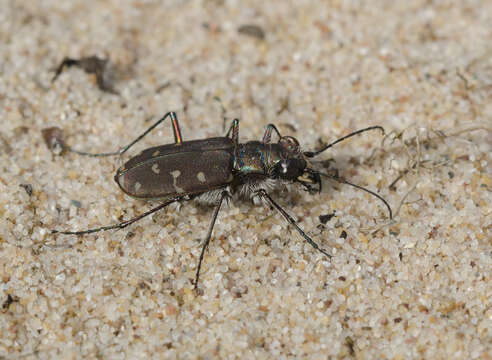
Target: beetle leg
(121, 225)
(264, 195)
(178, 139)
(209, 236)
(234, 129)
(175, 126)
(268, 133)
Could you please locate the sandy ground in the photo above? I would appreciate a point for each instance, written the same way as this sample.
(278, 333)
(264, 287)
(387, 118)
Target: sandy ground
(418, 286)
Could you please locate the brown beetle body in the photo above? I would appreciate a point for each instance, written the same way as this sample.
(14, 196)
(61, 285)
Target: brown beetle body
(186, 168)
(216, 169)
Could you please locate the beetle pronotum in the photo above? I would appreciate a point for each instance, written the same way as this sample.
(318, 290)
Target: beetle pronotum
(214, 169)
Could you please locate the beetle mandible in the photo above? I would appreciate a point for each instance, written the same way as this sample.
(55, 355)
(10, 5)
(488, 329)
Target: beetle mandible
(214, 169)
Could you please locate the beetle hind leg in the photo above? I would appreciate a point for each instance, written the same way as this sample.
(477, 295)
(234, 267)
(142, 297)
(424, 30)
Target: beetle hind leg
(176, 131)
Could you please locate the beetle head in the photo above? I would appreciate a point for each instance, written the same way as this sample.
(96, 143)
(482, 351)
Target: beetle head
(293, 165)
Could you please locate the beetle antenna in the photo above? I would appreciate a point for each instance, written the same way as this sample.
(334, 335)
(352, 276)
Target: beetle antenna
(343, 181)
(311, 154)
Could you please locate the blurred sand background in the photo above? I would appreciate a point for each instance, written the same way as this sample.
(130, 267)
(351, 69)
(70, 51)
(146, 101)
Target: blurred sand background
(417, 287)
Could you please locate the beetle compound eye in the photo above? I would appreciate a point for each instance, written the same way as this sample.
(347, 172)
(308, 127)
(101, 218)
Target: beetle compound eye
(289, 143)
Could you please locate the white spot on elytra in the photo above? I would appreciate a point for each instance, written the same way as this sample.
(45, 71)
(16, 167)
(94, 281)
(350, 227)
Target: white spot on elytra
(137, 186)
(155, 168)
(156, 153)
(201, 177)
(175, 174)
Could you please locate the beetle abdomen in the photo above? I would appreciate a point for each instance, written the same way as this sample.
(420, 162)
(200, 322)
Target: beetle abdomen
(179, 169)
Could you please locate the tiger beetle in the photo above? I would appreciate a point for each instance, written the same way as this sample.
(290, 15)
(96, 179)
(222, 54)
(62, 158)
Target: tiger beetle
(215, 169)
